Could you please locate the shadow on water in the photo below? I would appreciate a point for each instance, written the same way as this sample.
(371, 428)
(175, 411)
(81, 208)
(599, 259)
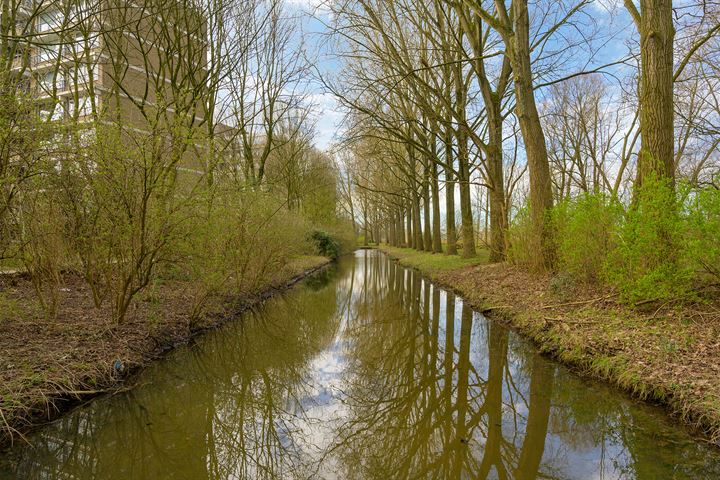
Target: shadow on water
(365, 372)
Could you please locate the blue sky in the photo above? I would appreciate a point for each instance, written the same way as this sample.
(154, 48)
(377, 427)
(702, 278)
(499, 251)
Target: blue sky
(327, 112)
(609, 17)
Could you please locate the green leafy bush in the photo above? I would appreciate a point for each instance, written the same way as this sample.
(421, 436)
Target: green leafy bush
(647, 262)
(586, 233)
(702, 231)
(325, 244)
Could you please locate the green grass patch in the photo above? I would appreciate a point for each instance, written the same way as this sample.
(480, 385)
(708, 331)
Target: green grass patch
(434, 262)
(11, 265)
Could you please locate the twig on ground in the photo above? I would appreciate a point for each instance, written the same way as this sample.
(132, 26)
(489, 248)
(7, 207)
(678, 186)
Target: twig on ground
(12, 431)
(571, 322)
(581, 302)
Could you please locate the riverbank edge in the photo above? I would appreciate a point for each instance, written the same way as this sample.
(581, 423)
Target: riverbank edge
(164, 340)
(701, 414)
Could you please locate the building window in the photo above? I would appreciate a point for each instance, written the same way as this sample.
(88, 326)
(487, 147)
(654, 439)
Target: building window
(47, 53)
(50, 82)
(52, 112)
(84, 75)
(84, 107)
(82, 45)
(48, 21)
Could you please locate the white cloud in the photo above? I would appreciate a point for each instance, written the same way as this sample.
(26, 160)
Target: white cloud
(311, 6)
(328, 117)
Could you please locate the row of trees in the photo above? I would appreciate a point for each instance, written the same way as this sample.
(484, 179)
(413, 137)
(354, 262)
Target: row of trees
(166, 139)
(530, 106)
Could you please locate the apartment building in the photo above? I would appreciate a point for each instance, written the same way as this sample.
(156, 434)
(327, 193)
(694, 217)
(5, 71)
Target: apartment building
(138, 65)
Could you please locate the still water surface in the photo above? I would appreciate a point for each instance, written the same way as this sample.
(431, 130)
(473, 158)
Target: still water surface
(366, 371)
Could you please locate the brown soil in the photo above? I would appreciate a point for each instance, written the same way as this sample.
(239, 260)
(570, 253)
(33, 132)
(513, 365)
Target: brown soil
(666, 353)
(49, 365)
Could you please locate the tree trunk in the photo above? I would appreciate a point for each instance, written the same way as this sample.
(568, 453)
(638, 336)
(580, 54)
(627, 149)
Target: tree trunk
(376, 232)
(390, 231)
(437, 240)
(468, 238)
(417, 227)
(427, 235)
(365, 224)
(400, 228)
(496, 181)
(449, 196)
(408, 219)
(472, 24)
(656, 91)
(541, 201)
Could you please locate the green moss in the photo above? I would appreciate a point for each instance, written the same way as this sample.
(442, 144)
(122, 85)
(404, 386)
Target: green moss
(36, 379)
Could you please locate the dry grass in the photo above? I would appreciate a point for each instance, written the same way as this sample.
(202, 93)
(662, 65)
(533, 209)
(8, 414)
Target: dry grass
(667, 353)
(48, 365)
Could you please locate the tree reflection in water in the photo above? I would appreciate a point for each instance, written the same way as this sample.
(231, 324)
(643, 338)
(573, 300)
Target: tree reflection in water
(425, 399)
(228, 407)
(366, 373)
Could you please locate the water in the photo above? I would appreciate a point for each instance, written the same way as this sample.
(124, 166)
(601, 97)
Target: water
(364, 372)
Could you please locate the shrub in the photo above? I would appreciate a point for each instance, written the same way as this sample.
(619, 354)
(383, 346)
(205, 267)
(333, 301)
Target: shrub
(647, 261)
(702, 231)
(43, 250)
(586, 233)
(524, 245)
(325, 244)
(237, 245)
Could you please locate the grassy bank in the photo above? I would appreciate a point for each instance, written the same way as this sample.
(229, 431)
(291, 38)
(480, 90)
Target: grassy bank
(432, 264)
(49, 365)
(665, 353)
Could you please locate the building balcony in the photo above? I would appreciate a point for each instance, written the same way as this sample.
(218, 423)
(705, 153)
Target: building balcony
(63, 88)
(68, 57)
(46, 89)
(44, 59)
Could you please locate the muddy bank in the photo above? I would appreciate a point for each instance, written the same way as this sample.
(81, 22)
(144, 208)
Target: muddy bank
(50, 365)
(663, 353)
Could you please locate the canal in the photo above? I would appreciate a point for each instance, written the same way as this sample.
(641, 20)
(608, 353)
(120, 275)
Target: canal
(365, 371)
